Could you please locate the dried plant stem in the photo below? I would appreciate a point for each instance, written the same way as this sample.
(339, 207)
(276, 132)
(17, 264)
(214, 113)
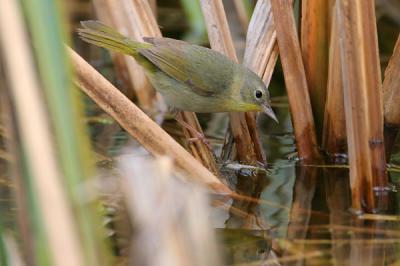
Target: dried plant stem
(334, 132)
(245, 134)
(137, 124)
(33, 124)
(153, 6)
(315, 21)
(261, 46)
(135, 18)
(391, 99)
(295, 79)
(362, 99)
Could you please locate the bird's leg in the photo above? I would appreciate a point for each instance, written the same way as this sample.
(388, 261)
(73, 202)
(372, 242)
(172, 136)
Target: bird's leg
(199, 136)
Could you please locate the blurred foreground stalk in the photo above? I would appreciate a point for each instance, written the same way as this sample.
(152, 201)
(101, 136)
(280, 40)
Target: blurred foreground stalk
(170, 216)
(52, 213)
(53, 148)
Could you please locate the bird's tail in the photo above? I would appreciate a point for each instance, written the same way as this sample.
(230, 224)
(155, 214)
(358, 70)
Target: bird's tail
(97, 33)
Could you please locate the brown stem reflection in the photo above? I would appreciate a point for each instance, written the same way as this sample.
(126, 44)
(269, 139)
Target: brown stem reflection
(338, 197)
(249, 184)
(303, 194)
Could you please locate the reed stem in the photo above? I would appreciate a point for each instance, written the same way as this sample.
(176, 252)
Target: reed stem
(334, 132)
(363, 101)
(295, 79)
(315, 22)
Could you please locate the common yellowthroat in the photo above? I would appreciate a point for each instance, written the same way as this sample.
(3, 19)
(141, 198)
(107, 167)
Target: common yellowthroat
(189, 77)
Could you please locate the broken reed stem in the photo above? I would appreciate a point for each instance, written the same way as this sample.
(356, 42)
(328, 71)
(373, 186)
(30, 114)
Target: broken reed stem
(363, 101)
(135, 18)
(315, 22)
(138, 124)
(295, 79)
(248, 144)
(391, 99)
(334, 132)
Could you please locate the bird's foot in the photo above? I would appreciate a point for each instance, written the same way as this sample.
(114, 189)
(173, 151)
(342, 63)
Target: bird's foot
(199, 136)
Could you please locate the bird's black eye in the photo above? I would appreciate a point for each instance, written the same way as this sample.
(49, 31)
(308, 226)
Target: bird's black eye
(258, 94)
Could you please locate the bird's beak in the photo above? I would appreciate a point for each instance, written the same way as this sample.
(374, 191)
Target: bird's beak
(268, 110)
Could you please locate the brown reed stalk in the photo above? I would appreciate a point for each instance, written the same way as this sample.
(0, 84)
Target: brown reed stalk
(153, 6)
(315, 29)
(391, 99)
(245, 133)
(135, 18)
(334, 132)
(363, 100)
(295, 79)
(137, 124)
(261, 46)
(36, 139)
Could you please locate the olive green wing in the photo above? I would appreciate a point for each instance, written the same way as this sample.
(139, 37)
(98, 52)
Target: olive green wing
(205, 71)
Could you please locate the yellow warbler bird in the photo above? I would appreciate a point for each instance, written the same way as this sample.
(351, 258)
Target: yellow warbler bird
(189, 77)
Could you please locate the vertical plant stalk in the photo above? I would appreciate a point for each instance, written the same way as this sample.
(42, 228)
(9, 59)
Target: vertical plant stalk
(135, 18)
(153, 6)
(261, 46)
(363, 100)
(36, 139)
(64, 109)
(21, 191)
(245, 134)
(315, 21)
(391, 99)
(137, 124)
(295, 79)
(334, 132)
